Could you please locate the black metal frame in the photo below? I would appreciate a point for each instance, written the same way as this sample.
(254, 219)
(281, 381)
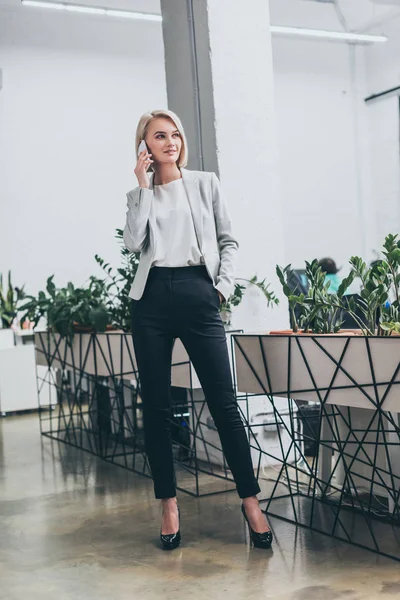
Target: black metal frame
(99, 411)
(315, 496)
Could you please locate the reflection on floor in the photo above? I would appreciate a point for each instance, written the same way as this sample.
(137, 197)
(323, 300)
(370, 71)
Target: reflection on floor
(73, 526)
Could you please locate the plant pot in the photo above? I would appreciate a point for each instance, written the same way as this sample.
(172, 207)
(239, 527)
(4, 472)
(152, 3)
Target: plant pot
(306, 368)
(94, 353)
(6, 338)
(82, 328)
(301, 332)
(87, 329)
(282, 332)
(291, 332)
(349, 332)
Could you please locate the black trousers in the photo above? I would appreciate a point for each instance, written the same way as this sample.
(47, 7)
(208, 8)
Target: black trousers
(182, 302)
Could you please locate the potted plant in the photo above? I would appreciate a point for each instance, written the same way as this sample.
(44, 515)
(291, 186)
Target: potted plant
(70, 309)
(318, 311)
(375, 310)
(78, 324)
(97, 309)
(319, 359)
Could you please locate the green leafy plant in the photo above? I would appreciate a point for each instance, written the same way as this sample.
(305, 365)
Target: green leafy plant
(371, 308)
(322, 311)
(390, 267)
(9, 301)
(374, 311)
(68, 309)
(294, 299)
(316, 317)
(119, 282)
(318, 311)
(391, 327)
(391, 251)
(376, 284)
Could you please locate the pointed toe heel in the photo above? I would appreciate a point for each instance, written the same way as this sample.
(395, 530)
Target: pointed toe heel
(260, 540)
(170, 541)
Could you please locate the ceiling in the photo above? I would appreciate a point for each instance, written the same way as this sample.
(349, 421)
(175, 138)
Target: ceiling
(359, 15)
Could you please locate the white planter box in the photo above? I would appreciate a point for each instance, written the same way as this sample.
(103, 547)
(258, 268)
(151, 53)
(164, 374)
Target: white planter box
(102, 354)
(108, 354)
(6, 339)
(304, 368)
(18, 388)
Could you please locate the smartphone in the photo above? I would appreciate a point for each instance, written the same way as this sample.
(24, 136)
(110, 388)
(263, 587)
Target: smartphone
(142, 146)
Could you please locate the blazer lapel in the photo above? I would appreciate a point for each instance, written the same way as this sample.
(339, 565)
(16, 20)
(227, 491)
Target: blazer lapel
(191, 186)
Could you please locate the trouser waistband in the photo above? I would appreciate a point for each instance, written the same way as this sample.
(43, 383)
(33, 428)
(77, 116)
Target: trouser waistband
(178, 272)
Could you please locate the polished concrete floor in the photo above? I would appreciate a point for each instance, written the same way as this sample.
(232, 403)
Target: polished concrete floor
(75, 527)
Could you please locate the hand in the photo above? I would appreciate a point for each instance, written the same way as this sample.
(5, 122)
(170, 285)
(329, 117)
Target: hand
(221, 297)
(143, 163)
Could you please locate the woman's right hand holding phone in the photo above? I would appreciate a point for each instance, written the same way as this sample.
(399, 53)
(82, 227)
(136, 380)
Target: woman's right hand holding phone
(143, 163)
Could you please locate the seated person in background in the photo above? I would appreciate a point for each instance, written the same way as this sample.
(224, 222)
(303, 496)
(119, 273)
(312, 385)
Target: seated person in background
(328, 265)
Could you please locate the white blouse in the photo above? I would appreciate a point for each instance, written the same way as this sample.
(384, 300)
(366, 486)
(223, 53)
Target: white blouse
(177, 244)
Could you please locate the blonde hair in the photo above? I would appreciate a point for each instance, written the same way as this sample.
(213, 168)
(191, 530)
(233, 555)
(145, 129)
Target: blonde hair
(143, 128)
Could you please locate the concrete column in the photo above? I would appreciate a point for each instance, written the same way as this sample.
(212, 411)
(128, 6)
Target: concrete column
(218, 59)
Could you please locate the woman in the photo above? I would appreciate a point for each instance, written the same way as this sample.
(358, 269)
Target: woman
(179, 223)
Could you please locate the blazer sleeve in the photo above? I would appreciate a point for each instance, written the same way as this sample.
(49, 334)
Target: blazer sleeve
(137, 218)
(227, 243)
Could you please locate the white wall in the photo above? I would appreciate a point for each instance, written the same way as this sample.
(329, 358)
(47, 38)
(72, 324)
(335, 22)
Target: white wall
(340, 164)
(247, 149)
(383, 73)
(327, 160)
(385, 168)
(315, 121)
(383, 65)
(73, 89)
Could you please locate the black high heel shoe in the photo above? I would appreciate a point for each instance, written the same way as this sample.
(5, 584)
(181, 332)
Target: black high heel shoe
(260, 540)
(170, 541)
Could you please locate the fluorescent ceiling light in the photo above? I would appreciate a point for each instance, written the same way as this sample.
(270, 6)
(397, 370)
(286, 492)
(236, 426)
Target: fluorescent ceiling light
(276, 29)
(93, 10)
(133, 15)
(328, 35)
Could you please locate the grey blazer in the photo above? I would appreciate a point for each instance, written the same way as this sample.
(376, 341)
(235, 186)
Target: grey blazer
(211, 222)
